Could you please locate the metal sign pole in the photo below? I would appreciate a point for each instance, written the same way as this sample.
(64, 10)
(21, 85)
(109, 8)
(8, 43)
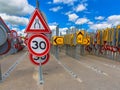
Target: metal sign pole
(76, 46)
(41, 81)
(57, 48)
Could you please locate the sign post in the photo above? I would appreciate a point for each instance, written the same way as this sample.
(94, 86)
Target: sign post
(77, 46)
(38, 43)
(56, 47)
(41, 81)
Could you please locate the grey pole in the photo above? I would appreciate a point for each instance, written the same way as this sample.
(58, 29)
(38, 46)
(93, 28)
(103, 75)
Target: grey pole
(41, 81)
(37, 4)
(77, 46)
(66, 44)
(56, 47)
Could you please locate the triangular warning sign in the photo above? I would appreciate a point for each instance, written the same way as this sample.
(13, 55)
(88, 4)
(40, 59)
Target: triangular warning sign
(37, 24)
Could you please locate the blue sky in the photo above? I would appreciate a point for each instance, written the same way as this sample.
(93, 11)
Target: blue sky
(87, 14)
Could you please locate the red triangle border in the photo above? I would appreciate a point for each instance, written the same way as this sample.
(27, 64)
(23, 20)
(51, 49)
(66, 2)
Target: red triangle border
(41, 18)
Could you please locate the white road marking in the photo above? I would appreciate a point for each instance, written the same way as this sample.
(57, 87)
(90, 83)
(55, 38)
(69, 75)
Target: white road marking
(94, 68)
(112, 66)
(75, 76)
(7, 73)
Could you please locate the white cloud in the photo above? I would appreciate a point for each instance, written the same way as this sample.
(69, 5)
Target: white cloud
(99, 18)
(63, 30)
(114, 19)
(111, 21)
(81, 21)
(72, 27)
(54, 23)
(15, 20)
(49, 2)
(90, 23)
(69, 12)
(72, 17)
(21, 32)
(53, 27)
(55, 9)
(80, 7)
(57, 1)
(69, 2)
(16, 7)
(100, 26)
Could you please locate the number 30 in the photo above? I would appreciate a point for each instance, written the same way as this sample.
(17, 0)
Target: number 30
(41, 45)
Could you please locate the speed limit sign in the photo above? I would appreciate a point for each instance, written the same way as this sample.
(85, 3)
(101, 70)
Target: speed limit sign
(38, 45)
(37, 60)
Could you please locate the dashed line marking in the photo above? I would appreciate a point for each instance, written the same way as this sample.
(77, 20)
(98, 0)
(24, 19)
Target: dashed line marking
(94, 68)
(75, 76)
(7, 73)
(112, 66)
(109, 65)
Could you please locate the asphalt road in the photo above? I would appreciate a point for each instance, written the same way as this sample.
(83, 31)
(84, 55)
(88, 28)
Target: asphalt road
(86, 73)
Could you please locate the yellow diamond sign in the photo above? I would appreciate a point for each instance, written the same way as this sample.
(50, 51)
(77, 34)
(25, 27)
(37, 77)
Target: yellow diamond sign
(80, 36)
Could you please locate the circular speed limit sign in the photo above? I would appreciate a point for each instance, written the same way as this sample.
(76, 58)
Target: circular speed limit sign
(36, 60)
(38, 45)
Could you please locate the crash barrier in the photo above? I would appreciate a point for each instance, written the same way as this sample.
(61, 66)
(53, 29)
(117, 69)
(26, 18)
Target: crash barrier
(104, 43)
(10, 42)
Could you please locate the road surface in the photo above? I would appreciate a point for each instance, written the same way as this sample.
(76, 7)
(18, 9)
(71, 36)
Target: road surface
(86, 73)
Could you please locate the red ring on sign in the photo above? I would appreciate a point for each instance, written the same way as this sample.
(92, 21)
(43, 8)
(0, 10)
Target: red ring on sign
(31, 59)
(47, 45)
(12, 34)
(8, 48)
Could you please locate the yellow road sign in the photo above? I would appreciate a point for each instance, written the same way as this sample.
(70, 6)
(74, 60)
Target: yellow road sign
(80, 36)
(118, 27)
(86, 41)
(117, 35)
(112, 34)
(105, 35)
(67, 39)
(58, 40)
(98, 37)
